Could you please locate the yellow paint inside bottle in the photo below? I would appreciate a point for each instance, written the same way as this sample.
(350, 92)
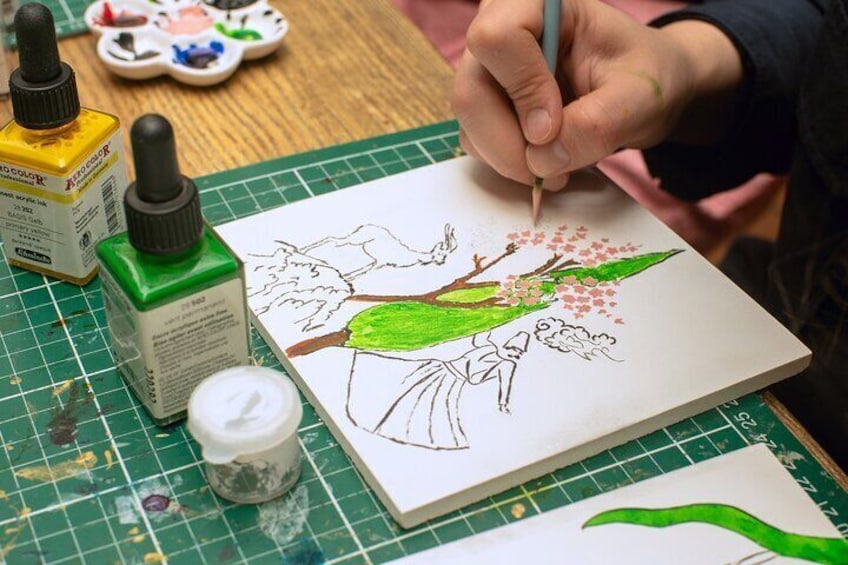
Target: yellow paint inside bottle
(62, 171)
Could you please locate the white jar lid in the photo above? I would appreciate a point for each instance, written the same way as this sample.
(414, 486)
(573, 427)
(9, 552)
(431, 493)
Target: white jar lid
(242, 410)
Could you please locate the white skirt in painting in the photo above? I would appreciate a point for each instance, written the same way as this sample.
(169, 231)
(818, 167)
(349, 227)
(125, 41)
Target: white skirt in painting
(418, 402)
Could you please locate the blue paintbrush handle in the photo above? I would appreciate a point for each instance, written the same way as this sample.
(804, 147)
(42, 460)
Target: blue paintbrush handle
(550, 32)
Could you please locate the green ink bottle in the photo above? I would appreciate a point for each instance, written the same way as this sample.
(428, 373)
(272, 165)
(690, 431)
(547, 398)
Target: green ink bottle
(173, 292)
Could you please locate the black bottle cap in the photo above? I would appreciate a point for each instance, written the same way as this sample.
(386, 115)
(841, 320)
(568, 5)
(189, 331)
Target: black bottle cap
(43, 88)
(162, 206)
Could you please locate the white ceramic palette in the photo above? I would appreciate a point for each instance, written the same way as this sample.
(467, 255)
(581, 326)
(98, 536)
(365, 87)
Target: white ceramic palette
(196, 42)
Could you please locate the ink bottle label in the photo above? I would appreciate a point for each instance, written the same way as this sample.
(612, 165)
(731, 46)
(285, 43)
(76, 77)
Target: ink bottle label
(51, 223)
(163, 353)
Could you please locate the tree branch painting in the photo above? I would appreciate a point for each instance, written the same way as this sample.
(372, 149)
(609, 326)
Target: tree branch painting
(582, 275)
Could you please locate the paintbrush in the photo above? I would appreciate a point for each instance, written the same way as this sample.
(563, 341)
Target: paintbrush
(550, 47)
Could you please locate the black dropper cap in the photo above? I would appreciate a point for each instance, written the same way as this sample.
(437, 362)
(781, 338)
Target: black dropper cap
(162, 206)
(43, 88)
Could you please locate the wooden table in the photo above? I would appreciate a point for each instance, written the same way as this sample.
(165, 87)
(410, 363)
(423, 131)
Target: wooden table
(348, 70)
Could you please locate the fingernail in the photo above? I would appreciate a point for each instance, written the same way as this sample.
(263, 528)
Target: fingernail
(556, 183)
(538, 125)
(548, 160)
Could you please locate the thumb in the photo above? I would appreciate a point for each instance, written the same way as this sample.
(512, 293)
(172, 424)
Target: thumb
(509, 50)
(593, 127)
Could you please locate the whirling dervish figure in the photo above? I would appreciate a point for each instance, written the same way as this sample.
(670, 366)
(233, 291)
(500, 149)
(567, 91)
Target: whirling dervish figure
(425, 410)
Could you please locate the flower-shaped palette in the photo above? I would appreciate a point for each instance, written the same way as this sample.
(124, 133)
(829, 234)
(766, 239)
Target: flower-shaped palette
(198, 42)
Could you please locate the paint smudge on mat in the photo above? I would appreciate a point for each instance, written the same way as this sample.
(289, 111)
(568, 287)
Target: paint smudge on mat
(282, 519)
(125, 508)
(304, 552)
(153, 558)
(156, 503)
(61, 471)
(518, 510)
(62, 428)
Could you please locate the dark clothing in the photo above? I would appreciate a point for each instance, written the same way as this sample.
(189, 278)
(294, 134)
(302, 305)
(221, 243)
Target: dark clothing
(793, 117)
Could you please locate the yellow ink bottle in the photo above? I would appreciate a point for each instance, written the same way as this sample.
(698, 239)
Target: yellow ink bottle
(173, 292)
(62, 169)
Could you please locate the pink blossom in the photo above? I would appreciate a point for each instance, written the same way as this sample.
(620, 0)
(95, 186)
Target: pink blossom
(513, 301)
(590, 262)
(560, 288)
(579, 289)
(578, 316)
(605, 239)
(596, 292)
(537, 241)
(521, 242)
(511, 277)
(590, 281)
(531, 300)
(612, 250)
(597, 245)
(619, 321)
(551, 246)
(585, 308)
(567, 306)
(582, 228)
(584, 253)
(573, 238)
(537, 292)
(623, 248)
(602, 311)
(513, 236)
(525, 233)
(569, 279)
(613, 304)
(610, 292)
(556, 239)
(568, 298)
(598, 302)
(584, 299)
(563, 227)
(568, 248)
(601, 257)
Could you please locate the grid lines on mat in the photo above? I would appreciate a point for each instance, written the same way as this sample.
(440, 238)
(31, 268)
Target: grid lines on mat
(86, 477)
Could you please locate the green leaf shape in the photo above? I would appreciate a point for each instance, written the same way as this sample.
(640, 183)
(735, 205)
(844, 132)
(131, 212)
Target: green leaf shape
(617, 269)
(611, 271)
(411, 325)
(469, 295)
(407, 326)
(239, 34)
(827, 551)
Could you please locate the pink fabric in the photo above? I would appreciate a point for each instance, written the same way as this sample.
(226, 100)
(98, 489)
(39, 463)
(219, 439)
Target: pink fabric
(703, 224)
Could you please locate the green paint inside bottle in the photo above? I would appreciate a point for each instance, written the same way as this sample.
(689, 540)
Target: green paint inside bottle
(150, 280)
(173, 292)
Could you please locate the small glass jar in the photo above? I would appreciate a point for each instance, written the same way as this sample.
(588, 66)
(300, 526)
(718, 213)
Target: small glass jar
(245, 420)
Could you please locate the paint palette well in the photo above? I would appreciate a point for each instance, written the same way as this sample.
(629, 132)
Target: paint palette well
(197, 42)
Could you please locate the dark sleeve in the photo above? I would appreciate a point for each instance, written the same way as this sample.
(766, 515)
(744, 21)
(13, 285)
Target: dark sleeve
(774, 39)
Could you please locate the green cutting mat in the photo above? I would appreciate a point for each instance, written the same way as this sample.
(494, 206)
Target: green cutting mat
(126, 491)
(67, 15)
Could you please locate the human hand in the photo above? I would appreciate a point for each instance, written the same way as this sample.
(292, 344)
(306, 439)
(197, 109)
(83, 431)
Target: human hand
(620, 84)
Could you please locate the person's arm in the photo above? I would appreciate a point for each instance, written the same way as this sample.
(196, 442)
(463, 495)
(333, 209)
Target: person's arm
(773, 40)
(625, 85)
